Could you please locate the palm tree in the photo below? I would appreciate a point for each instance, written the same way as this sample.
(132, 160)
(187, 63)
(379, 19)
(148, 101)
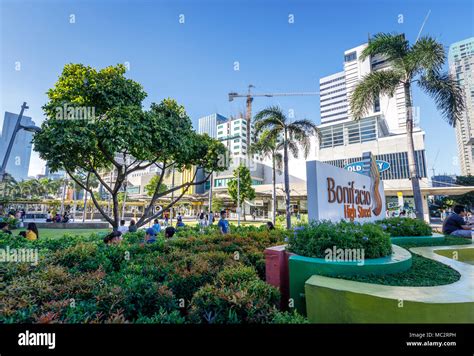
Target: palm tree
(291, 134)
(268, 146)
(420, 63)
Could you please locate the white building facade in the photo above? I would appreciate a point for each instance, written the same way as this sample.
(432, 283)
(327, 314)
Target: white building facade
(383, 131)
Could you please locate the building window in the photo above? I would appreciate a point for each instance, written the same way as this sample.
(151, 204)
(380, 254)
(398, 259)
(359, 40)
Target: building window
(350, 57)
(376, 104)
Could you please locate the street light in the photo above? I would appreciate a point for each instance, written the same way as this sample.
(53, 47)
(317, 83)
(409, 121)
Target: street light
(18, 127)
(238, 196)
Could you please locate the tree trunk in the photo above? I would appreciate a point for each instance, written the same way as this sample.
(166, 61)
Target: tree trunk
(287, 181)
(415, 181)
(116, 212)
(274, 201)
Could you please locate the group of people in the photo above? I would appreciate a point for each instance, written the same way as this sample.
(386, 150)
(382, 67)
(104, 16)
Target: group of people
(206, 219)
(57, 218)
(30, 234)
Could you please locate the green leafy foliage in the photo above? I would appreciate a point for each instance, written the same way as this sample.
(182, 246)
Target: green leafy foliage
(118, 126)
(79, 279)
(243, 190)
(233, 299)
(314, 239)
(405, 227)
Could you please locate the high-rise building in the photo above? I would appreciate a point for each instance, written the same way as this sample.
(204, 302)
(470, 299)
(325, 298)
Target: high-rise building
(382, 132)
(461, 66)
(208, 124)
(19, 160)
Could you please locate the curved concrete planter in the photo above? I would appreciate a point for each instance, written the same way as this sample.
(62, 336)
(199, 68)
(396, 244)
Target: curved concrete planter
(301, 268)
(332, 300)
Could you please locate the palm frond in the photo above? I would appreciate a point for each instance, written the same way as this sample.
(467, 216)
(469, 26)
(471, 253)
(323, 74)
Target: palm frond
(268, 123)
(271, 112)
(447, 94)
(390, 46)
(304, 124)
(302, 138)
(426, 55)
(383, 82)
(278, 161)
(293, 148)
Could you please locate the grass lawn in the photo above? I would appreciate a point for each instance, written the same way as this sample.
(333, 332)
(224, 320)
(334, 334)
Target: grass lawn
(55, 233)
(424, 272)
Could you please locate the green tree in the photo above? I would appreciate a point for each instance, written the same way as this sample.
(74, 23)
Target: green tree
(240, 187)
(420, 63)
(292, 135)
(118, 134)
(268, 146)
(217, 204)
(468, 198)
(150, 188)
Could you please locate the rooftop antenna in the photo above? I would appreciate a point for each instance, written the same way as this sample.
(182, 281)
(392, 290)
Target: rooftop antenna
(423, 25)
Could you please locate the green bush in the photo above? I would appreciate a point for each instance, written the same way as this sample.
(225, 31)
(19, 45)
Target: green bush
(314, 239)
(405, 227)
(79, 279)
(162, 317)
(289, 318)
(248, 302)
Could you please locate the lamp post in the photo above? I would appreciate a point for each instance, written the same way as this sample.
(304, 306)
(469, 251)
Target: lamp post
(18, 126)
(238, 197)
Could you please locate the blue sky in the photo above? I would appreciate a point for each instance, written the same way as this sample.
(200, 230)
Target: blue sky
(193, 61)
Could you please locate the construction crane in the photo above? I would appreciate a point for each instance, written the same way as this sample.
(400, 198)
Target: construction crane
(250, 96)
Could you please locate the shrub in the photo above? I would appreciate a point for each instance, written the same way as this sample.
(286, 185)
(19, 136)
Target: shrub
(289, 318)
(79, 279)
(238, 296)
(162, 317)
(248, 302)
(239, 274)
(314, 239)
(405, 227)
(143, 297)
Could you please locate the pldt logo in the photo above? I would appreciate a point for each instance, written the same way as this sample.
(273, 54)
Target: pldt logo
(37, 339)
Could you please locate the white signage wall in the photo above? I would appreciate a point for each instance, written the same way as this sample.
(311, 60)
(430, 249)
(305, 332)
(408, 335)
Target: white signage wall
(335, 193)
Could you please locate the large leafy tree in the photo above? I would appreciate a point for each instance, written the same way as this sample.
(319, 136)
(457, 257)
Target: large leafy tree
(421, 64)
(150, 188)
(240, 187)
(120, 136)
(268, 146)
(468, 198)
(292, 135)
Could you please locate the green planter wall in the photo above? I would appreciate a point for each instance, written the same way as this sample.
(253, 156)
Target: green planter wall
(302, 268)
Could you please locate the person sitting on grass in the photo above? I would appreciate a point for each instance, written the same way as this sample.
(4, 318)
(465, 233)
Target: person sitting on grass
(223, 224)
(4, 228)
(32, 233)
(169, 232)
(157, 226)
(122, 228)
(455, 225)
(115, 237)
(133, 226)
